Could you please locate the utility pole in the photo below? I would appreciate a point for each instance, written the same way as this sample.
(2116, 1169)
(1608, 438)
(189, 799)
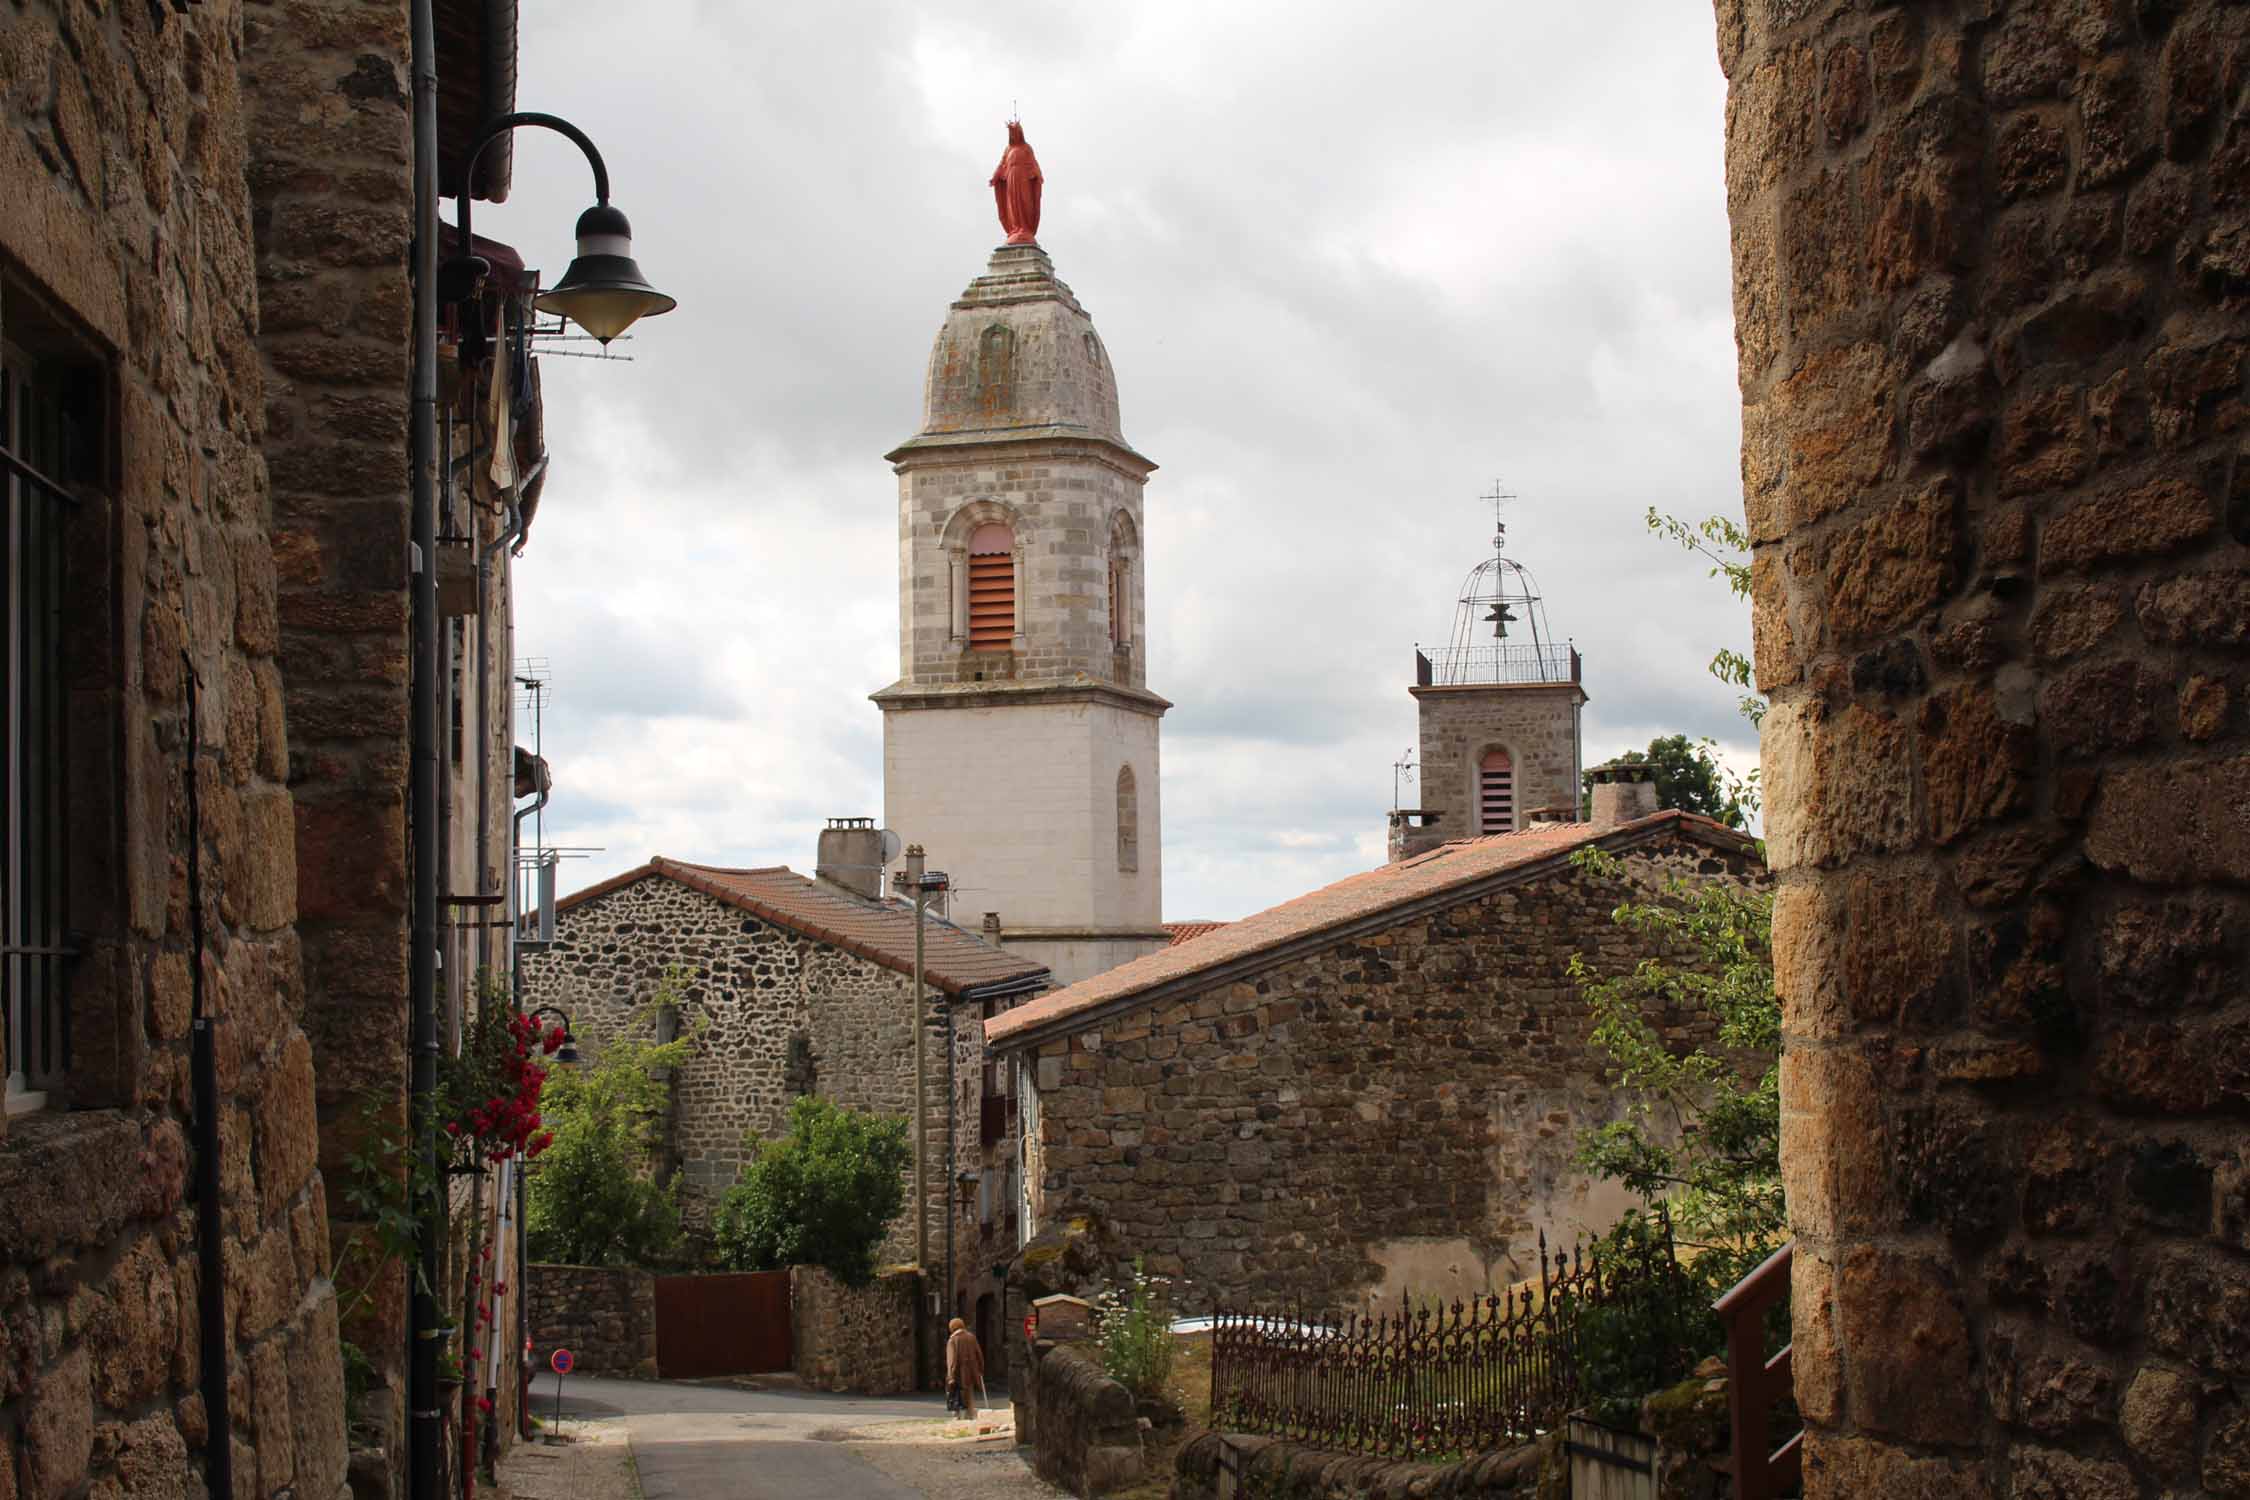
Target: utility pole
(912, 877)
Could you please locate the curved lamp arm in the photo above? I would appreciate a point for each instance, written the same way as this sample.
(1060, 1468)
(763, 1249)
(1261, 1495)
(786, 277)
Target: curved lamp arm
(503, 126)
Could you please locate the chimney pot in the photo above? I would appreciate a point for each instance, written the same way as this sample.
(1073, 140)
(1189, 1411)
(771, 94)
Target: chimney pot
(851, 856)
(1623, 792)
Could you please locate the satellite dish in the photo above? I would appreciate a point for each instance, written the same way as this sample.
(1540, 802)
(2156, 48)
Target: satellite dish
(891, 845)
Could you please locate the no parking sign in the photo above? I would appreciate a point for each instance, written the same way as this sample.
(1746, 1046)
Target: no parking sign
(562, 1362)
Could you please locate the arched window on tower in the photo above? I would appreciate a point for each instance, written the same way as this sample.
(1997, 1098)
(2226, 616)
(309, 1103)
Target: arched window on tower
(1128, 821)
(1120, 600)
(992, 587)
(1496, 793)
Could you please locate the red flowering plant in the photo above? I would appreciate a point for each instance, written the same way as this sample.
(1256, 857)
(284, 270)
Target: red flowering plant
(490, 1092)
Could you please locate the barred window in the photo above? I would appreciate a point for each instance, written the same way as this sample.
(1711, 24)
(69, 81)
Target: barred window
(51, 419)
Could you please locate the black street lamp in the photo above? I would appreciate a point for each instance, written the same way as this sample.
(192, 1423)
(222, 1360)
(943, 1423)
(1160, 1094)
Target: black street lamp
(602, 290)
(566, 1056)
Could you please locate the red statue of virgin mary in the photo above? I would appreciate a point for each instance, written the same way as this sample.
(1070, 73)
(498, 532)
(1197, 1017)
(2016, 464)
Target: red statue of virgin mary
(1015, 189)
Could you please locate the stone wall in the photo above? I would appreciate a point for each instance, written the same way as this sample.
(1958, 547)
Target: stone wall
(1395, 1112)
(857, 1339)
(1082, 1426)
(126, 250)
(781, 1015)
(604, 1315)
(1272, 1469)
(1990, 295)
(330, 147)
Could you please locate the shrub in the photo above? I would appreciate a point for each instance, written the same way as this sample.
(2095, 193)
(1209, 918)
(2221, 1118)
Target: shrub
(591, 1198)
(822, 1195)
(1134, 1327)
(1655, 1327)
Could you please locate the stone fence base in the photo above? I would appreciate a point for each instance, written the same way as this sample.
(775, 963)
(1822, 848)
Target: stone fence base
(1688, 1424)
(854, 1339)
(604, 1315)
(1228, 1465)
(1083, 1428)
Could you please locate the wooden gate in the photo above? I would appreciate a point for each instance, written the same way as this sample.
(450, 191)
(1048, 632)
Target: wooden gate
(722, 1325)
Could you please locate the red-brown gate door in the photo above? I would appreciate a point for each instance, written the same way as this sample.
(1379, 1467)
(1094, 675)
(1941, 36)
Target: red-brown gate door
(722, 1325)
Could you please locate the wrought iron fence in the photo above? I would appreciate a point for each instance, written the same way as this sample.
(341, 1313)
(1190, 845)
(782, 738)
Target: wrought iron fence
(1455, 666)
(1431, 1381)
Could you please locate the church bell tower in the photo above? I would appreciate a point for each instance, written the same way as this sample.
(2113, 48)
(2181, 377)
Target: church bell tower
(1020, 741)
(1500, 708)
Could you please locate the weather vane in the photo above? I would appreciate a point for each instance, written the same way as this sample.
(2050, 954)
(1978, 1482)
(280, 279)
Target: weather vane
(1498, 498)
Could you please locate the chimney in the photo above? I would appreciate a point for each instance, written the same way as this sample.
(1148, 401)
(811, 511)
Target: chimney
(851, 856)
(992, 927)
(1623, 791)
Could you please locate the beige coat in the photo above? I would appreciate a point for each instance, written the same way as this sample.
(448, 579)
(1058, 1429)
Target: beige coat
(964, 1361)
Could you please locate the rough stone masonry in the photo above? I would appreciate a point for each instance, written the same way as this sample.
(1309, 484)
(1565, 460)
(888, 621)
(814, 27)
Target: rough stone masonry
(1992, 268)
(126, 259)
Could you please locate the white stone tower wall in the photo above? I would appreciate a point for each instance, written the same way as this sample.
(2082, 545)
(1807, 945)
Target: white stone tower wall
(1017, 803)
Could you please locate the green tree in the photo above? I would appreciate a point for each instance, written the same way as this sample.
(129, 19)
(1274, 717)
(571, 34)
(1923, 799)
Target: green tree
(1697, 1131)
(1690, 778)
(591, 1198)
(822, 1195)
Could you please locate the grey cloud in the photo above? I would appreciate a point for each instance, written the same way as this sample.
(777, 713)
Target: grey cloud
(1350, 263)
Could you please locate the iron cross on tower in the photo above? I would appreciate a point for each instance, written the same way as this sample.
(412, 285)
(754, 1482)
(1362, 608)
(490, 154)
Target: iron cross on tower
(1497, 499)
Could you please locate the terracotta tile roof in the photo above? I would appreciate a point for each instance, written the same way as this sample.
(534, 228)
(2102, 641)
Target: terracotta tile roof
(1183, 932)
(953, 961)
(1240, 945)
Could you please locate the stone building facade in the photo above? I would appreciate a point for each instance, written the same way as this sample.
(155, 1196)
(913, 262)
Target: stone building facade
(129, 316)
(1533, 725)
(1020, 741)
(331, 152)
(795, 986)
(1375, 1088)
(1992, 297)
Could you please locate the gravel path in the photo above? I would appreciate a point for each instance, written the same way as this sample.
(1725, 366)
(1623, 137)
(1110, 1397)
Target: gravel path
(953, 1460)
(658, 1441)
(595, 1464)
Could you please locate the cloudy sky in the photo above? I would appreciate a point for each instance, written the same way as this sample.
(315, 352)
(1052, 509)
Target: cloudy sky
(1351, 264)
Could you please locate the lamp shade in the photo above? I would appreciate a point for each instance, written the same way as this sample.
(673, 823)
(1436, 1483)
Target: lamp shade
(603, 291)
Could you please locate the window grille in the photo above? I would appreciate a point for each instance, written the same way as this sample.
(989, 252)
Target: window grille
(49, 419)
(1496, 793)
(992, 588)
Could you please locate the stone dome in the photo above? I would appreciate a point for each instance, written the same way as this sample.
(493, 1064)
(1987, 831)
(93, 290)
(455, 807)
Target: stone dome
(1016, 352)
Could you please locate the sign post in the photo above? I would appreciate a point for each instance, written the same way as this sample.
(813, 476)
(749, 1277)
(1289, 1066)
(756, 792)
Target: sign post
(562, 1362)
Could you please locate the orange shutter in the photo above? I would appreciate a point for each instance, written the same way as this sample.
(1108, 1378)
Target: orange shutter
(992, 589)
(1496, 793)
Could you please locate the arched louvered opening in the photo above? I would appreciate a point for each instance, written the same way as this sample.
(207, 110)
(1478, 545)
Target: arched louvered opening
(1496, 793)
(1128, 821)
(992, 587)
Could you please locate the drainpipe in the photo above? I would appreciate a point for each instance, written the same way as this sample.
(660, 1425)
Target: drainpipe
(952, 1163)
(508, 533)
(211, 1283)
(425, 1422)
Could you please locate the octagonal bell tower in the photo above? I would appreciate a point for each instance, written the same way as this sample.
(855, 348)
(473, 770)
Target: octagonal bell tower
(1020, 740)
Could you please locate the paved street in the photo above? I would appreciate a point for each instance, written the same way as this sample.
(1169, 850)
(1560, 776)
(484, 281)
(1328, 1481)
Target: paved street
(700, 1442)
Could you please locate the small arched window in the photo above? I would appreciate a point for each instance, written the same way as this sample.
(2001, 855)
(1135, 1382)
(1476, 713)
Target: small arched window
(1496, 793)
(1128, 821)
(1120, 600)
(992, 587)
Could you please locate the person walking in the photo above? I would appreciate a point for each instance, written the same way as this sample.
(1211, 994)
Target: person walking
(964, 1368)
